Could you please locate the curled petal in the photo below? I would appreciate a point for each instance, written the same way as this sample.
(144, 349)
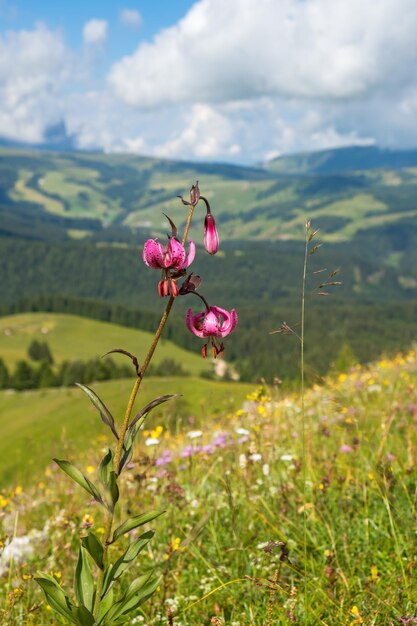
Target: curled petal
(229, 322)
(153, 254)
(190, 257)
(195, 323)
(176, 255)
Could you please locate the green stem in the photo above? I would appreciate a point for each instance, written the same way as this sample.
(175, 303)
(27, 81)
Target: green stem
(303, 418)
(125, 425)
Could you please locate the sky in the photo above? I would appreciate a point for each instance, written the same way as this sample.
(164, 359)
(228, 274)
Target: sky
(239, 81)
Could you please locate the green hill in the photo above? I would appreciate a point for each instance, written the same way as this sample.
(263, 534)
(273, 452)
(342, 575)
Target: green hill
(50, 195)
(72, 337)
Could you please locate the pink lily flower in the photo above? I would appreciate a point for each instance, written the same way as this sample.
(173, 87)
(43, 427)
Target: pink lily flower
(213, 323)
(172, 259)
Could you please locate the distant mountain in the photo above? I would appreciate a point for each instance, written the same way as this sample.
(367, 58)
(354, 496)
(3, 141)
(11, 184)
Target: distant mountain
(341, 160)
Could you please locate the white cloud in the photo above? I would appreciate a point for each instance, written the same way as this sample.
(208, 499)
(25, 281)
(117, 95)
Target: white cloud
(34, 66)
(206, 134)
(95, 31)
(240, 49)
(236, 81)
(131, 17)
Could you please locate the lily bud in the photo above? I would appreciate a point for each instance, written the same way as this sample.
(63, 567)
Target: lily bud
(194, 194)
(211, 237)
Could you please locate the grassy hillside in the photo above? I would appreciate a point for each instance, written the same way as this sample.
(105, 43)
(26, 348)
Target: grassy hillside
(73, 337)
(256, 530)
(37, 425)
(75, 195)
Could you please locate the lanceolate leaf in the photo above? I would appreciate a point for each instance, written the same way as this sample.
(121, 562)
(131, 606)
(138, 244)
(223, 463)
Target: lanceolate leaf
(56, 597)
(125, 561)
(129, 354)
(84, 616)
(151, 406)
(80, 479)
(105, 414)
(94, 548)
(84, 581)
(138, 592)
(106, 467)
(113, 488)
(135, 522)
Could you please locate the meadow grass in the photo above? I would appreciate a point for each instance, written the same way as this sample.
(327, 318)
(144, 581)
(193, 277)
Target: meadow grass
(38, 425)
(230, 546)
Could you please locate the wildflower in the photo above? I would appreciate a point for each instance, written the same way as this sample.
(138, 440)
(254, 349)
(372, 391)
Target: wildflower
(212, 323)
(151, 441)
(164, 459)
(194, 434)
(171, 259)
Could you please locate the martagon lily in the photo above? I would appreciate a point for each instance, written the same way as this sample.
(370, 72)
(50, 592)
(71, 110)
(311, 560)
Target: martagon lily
(213, 323)
(172, 259)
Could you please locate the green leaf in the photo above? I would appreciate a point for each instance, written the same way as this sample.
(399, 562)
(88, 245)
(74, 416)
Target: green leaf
(94, 548)
(84, 581)
(106, 466)
(80, 479)
(127, 448)
(56, 597)
(114, 572)
(84, 617)
(113, 488)
(138, 592)
(135, 522)
(105, 414)
(105, 606)
(150, 406)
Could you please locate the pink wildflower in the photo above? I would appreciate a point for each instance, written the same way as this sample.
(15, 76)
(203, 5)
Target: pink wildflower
(213, 323)
(171, 259)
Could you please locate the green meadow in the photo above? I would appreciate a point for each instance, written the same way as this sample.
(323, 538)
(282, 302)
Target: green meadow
(257, 530)
(38, 425)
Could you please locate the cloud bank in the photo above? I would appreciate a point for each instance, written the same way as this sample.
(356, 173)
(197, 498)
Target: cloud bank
(241, 80)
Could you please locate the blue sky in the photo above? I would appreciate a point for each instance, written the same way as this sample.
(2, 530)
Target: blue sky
(236, 80)
(70, 17)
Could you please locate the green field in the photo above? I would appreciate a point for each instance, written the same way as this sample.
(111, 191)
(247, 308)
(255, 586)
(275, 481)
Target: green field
(37, 425)
(72, 337)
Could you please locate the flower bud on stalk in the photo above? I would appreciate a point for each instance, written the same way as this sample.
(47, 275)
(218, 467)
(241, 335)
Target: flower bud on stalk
(211, 237)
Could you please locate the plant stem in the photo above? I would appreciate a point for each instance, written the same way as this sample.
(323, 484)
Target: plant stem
(303, 418)
(119, 447)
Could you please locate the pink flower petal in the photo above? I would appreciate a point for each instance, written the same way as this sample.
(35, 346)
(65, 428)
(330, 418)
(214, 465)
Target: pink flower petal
(229, 320)
(191, 255)
(211, 324)
(195, 323)
(153, 254)
(176, 254)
